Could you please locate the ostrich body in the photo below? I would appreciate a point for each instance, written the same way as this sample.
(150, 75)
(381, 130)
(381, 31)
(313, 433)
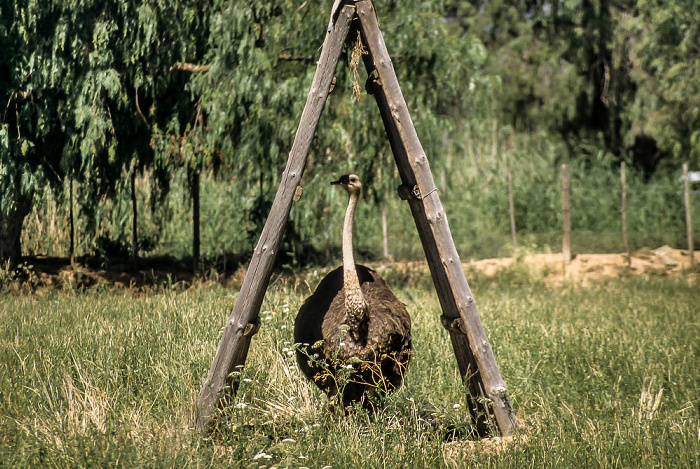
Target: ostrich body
(355, 335)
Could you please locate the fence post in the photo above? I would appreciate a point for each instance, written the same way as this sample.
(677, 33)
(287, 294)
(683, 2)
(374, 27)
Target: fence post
(688, 219)
(566, 214)
(511, 206)
(134, 220)
(623, 210)
(71, 223)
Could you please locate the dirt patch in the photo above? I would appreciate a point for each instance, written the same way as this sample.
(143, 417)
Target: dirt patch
(583, 270)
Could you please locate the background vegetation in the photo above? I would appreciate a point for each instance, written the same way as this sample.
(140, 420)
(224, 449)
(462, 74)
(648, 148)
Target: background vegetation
(136, 107)
(602, 377)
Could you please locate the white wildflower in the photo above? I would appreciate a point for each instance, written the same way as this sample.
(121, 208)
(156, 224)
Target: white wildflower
(262, 455)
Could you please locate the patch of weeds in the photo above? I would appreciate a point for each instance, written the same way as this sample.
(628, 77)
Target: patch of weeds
(20, 277)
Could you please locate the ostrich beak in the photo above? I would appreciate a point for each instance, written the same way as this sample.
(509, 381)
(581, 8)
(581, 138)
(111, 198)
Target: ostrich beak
(343, 181)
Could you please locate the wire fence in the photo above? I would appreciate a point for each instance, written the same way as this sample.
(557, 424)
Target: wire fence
(481, 218)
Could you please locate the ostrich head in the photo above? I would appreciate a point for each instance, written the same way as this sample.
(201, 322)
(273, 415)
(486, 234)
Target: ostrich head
(350, 182)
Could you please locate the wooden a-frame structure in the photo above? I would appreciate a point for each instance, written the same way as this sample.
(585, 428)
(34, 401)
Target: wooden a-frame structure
(489, 402)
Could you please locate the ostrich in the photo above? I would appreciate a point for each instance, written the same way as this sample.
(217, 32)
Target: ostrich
(353, 334)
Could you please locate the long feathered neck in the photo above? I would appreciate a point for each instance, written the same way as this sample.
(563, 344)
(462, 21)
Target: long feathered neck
(355, 304)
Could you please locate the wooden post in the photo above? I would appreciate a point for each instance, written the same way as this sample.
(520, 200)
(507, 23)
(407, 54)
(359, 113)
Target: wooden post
(385, 228)
(196, 239)
(688, 218)
(488, 395)
(511, 206)
(566, 214)
(134, 220)
(243, 322)
(71, 247)
(385, 234)
(623, 210)
(446, 153)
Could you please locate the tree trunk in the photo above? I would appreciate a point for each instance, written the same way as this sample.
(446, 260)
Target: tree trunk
(11, 221)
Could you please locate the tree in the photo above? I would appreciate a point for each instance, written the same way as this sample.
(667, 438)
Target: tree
(97, 91)
(86, 84)
(663, 48)
(261, 63)
(616, 77)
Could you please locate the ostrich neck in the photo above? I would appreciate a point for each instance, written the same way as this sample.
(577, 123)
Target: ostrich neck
(355, 304)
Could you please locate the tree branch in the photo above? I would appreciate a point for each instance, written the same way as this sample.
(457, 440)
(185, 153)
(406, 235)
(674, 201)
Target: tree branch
(188, 67)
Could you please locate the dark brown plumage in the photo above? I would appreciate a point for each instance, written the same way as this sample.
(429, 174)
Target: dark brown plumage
(356, 344)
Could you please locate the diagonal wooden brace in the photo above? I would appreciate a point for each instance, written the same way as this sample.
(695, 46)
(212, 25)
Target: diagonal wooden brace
(234, 345)
(477, 364)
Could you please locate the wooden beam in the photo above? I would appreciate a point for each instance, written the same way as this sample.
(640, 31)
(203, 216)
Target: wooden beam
(243, 322)
(623, 212)
(472, 349)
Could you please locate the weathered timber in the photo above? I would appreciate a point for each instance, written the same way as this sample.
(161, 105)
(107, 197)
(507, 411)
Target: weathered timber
(243, 321)
(472, 349)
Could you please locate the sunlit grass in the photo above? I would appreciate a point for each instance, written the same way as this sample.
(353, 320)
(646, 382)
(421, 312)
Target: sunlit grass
(605, 376)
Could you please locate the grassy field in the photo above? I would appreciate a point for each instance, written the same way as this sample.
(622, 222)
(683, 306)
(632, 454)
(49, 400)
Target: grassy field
(600, 377)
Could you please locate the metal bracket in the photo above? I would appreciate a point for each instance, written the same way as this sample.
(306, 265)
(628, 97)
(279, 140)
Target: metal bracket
(407, 192)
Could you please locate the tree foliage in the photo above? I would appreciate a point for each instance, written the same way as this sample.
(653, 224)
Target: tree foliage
(616, 76)
(86, 84)
(94, 91)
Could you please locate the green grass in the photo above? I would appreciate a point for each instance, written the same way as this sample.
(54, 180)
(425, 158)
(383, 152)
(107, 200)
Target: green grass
(599, 377)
